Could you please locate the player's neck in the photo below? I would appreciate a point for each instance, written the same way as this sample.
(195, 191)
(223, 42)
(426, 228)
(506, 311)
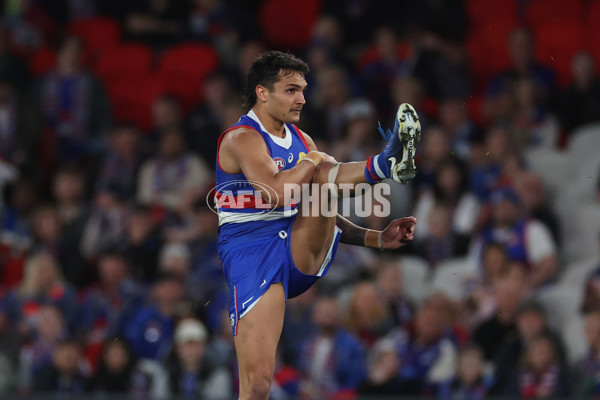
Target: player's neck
(273, 126)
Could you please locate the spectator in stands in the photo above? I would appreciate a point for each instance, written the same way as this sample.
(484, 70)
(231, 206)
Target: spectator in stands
(121, 373)
(205, 122)
(19, 127)
(324, 51)
(331, 94)
(531, 323)
(434, 149)
(207, 20)
(10, 347)
(454, 120)
(298, 325)
(47, 235)
(359, 135)
(591, 298)
(368, 316)
(409, 89)
(7, 375)
(42, 284)
(542, 374)
(521, 47)
(450, 191)
(501, 327)
(249, 51)
(389, 288)
(22, 198)
(191, 372)
(49, 331)
(527, 241)
(105, 228)
(442, 64)
(66, 375)
(426, 349)
(30, 26)
(579, 103)
(530, 187)
(45, 229)
(480, 303)
(107, 306)
(13, 68)
(175, 259)
(157, 23)
(143, 239)
(588, 367)
(471, 381)
(122, 161)
(73, 106)
(441, 243)
(533, 125)
(63, 11)
(165, 179)
(486, 168)
(332, 360)
(68, 189)
(384, 373)
(150, 330)
(379, 73)
(166, 113)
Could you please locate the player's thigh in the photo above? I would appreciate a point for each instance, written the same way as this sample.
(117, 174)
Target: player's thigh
(258, 334)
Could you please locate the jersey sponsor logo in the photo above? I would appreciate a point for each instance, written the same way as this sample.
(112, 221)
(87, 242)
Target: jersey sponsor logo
(280, 162)
(290, 158)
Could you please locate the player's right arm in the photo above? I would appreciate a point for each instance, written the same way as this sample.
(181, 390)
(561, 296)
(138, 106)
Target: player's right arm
(244, 150)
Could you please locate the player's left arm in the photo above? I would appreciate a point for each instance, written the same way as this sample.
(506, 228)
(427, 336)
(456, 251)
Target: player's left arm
(396, 234)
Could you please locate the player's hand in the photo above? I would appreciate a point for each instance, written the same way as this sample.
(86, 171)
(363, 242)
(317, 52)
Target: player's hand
(398, 232)
(328, 158)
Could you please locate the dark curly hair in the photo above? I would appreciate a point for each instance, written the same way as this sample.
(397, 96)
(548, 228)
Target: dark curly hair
(267, 69)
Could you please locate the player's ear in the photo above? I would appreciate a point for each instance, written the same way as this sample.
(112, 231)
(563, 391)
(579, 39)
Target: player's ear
(261, 93)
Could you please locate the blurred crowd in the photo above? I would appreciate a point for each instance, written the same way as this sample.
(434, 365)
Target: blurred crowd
(110, 281)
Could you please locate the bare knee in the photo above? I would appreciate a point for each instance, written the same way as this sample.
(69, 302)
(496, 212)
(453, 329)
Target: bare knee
(257, 387)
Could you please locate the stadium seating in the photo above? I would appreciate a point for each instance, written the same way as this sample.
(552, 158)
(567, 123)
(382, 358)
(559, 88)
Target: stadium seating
(562, 302)
(42, 61)
(452, 275)
(557, 43)
(487, 40)
(541, 12)
(97, 33)
(124, 61)
(482, 12)
(415, 278)
(282, 31)
(182, 69)
(132, 99)
(575, 273)
(592, 32)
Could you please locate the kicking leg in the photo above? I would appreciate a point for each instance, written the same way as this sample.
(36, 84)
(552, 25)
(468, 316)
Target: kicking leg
(256, 341)
(313, 232)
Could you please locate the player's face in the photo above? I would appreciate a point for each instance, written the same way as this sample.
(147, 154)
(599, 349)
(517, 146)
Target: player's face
(287, 98)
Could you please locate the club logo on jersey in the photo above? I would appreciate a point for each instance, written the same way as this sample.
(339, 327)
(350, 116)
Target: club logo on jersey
(279, 162)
